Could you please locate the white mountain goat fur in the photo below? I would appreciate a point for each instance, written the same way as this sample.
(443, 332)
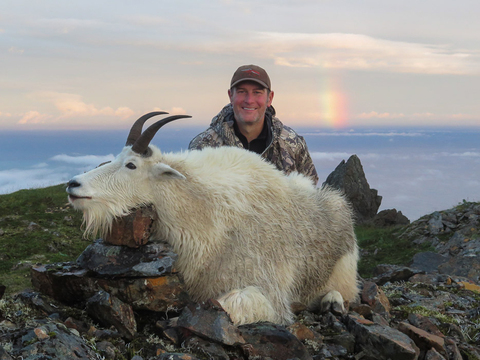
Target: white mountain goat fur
(245, 234)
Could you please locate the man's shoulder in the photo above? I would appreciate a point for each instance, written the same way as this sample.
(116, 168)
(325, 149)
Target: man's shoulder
(209, 137)
(287, 134)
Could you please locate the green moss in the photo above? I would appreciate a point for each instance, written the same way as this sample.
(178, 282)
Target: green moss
(421, 310)
(464, 205)
(30, 342)
(384, 246)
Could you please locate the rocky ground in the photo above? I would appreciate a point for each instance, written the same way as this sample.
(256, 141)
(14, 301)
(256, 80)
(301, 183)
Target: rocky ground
(88, 310)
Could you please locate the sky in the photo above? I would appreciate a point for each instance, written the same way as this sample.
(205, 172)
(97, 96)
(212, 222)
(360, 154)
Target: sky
(86, 65)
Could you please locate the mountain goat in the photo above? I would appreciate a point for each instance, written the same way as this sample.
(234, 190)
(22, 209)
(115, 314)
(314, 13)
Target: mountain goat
(245, 234)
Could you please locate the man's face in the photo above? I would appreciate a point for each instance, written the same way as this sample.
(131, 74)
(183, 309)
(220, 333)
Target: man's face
(250, 101)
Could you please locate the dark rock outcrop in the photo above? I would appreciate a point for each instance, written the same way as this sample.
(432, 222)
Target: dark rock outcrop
(350, 178)
(390, 217)
(454, 237)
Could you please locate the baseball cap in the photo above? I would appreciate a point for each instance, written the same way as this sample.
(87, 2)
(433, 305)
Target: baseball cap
(251, 73)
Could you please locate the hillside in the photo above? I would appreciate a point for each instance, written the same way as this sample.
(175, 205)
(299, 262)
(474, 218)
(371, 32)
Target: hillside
(36, 226)
(419, 297)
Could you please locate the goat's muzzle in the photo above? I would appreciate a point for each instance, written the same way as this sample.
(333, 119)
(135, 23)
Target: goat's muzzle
(71, 185)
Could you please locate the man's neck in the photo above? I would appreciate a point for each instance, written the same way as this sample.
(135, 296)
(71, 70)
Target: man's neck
(251, 131)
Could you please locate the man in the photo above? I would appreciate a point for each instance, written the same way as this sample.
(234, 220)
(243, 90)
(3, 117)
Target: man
(249, 122)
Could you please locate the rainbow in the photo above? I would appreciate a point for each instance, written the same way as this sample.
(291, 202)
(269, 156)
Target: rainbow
(333, 104)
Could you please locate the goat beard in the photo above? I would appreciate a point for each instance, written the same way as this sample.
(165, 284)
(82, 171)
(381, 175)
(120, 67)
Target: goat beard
(98, 220)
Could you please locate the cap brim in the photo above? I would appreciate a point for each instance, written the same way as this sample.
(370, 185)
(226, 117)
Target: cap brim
(254, 80)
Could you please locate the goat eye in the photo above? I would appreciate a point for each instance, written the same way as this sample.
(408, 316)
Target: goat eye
(131, 166)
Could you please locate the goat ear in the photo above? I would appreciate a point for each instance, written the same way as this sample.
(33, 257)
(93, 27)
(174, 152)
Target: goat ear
(163, 170)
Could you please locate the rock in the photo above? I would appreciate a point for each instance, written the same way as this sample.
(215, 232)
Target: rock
(427, 261)
(301, 332)
(424, 323)
(41, 334)
(133, 230)
(4, 355)
(78, 325)
(106, 350)
(392, 273)
(435, 224)
(453, 350)
(462, 266)
(61, 343)
(176, 356)
(42, 303)
(71, 284)
(363, 310)
(102, 259)
(270, 341)
(424, 340)
(433, 354)
(109, 310)
(210, 349)
(33, 226)
(391, 217)
(380, 342)
(350, 178)
(375, 297)
(210, 321)
(344, 339)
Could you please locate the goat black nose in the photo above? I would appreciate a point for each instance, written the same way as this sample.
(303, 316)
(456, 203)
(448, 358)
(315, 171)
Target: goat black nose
(73, 184)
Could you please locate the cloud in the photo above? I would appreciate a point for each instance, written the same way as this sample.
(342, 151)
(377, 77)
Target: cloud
(461, 116)
(146, 20)
(68, 25)
(464, 154)
(173, 110)
(414, 118)
(329, 156)
(290, 49)
(34, 117)
(15, 179)
(43, 174)
(376, 115)
(349, 51)
(68, 106)
(15, 50)
(71, 105)
(85, 160)
(374, 133)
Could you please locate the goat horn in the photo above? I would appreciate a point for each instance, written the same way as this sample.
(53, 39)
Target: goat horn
(141, 145)
(136, 129)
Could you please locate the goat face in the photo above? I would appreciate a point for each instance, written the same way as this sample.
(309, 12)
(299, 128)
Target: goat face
(113, 189)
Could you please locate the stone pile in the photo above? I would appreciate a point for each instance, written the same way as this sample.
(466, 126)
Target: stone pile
(124, 269)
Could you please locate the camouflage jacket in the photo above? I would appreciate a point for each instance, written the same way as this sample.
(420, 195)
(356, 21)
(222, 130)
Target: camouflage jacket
(287, 151)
